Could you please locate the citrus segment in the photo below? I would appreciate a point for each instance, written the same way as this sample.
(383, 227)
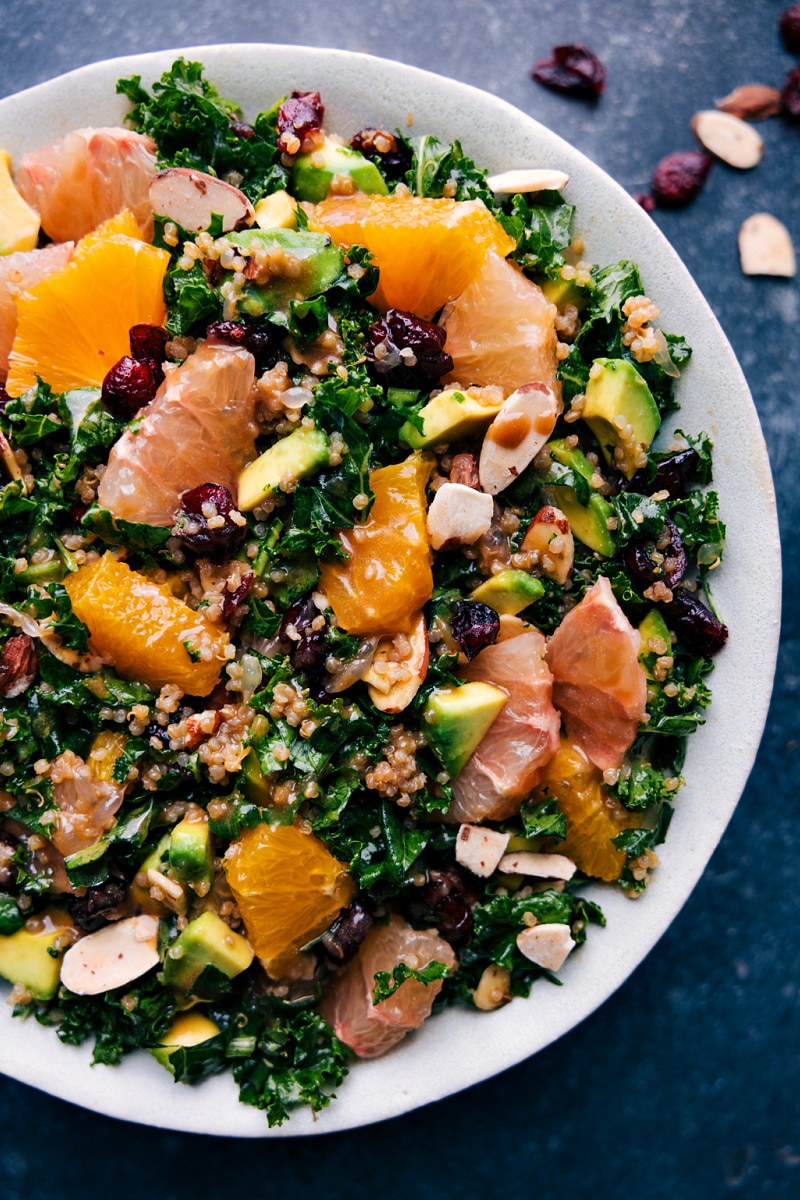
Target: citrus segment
(143, 631)
(86, 177)
(520, 741)
(18, 273)
(387, 577)
(600, 686)
(500, 329)
(73, 326)
(372, 1029)
(122, 224)
(593, 815)
(289, 888)
(200, 428)
(427, 250)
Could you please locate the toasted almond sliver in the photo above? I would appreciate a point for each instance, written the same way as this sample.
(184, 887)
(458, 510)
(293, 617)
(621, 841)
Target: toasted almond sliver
(533, 180)
(480, 850)
(728, 137)
(765, 247)
(546, 945)
(111, 957)
(752, 102)
(542, 866)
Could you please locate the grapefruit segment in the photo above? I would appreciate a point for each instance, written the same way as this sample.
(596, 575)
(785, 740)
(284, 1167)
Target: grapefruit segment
(600, 686)
(522, 739)
(18, 273)
(372, 1029)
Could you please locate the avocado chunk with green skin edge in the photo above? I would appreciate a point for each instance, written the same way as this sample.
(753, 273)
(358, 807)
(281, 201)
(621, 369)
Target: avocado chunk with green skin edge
(509, 591)
(562, 292)
(316, 264)
(312, 174)
(652, 627)
(456, 720)
(449, 417)
(618, 392)
(191, 854)
(25, 957)
(293, 457)
(205, 942)
(188, 1029)
(588, 522)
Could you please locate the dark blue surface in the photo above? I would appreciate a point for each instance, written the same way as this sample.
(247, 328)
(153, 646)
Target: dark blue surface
(689, 1076)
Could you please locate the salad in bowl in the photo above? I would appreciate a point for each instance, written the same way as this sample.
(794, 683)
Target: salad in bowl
(356, 596)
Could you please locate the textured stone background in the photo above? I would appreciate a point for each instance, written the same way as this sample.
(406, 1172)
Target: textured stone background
(688, 1077)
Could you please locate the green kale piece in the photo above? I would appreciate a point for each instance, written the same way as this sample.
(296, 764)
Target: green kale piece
(92, 430)
(387, 982)
(192, 303)
(11, 918)
(636, 842)
(543, 229)
(544, 819)
(648, 519)
(116, 1029)
(437, 166)
(53, 601)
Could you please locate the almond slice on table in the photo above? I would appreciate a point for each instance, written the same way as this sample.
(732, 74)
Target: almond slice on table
(765, 247)
(752, 102)
(111, 957)
(540, 866)
(728, 137)
(190, 198)
(509, 183)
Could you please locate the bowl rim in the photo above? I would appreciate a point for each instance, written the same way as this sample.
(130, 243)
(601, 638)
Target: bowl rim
(446, 1056)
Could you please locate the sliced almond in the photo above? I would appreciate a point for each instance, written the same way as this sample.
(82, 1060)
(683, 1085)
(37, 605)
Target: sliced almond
(509, 183)
(112, 957)
(516, 435)
(765, 247)
(480, 850)
(549, 534)
(728, 137)
(191, 198)
(752, 102)
(546, 945)
(398, 669)
(458, 515)
(540, 866)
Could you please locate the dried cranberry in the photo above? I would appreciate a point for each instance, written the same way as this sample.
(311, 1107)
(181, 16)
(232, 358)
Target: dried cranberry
(299, 116)
(393, 157)
(645, 201)
(474, 626)
(340, 943)
(129, 386)
(191, 523)
(148, 342)
(260, 340)
(464, 470)
(404, 351)
(696, 626)
(301, 615)
(672, 475)
(669, 566)
(241, 129)
(573, 70)
(4, 397)
(790, 93)
(232, 600)
(154, 730)
(447, 899)
(789, 27)
(99, 905)
(679, 177)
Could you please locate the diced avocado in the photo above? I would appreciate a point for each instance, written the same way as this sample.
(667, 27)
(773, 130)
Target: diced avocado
(509, 591)
(293, 457)
(562, 292)
(299, 264)
(653, 628)
(617, 397)
(140, 893)
(205, 942)
(456, 720)
(449, 417)
(191, 854)
(302, 573)
(188, 1029)
(311, 174)
(19, 224)
(588, 522)
(277, 211)
(25, 957)
(253, 780)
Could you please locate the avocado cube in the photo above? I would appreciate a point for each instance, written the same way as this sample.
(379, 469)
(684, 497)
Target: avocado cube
(301, 453)
(588, 522)
(255, 784)
(653, 627)
(509, 591)
(140, 893)
(450, 417)
(188, 1029)
(25, 956)
(312, 174)
(562, 292)
(191, 854)
(205, 942)
(277, 211)
(617, 400)
(311, 261)
(457, 718)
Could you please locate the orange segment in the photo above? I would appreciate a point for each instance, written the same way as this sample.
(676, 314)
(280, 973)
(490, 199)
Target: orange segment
(289, 889)
(73, 326)
(143, 631)
(427, 250)
(387, 578)
(123, 224)
(593, 816)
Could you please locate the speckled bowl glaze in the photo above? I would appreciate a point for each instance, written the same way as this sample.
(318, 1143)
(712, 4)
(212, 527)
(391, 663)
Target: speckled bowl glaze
(460, 1048)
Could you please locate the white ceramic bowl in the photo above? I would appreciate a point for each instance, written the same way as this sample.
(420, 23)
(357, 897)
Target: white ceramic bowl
(460, 1047)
